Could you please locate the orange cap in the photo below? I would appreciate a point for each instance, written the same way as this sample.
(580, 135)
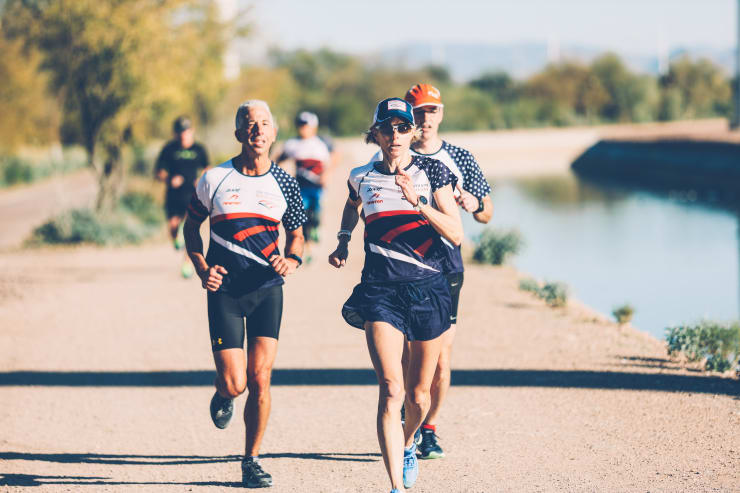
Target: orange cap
(423, 95)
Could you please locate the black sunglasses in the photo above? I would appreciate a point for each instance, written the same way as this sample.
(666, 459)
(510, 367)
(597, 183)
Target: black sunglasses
(401, 128)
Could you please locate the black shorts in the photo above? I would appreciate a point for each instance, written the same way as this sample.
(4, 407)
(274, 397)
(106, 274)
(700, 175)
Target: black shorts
(455, 281)
(420, 309)
(262, 309)
(176, 202)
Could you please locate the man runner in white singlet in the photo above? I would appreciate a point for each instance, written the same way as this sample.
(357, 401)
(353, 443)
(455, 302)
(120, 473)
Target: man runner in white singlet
(246, 198)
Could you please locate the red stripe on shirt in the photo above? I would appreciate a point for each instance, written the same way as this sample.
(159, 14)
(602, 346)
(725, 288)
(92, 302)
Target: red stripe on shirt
(378, 215)
(269, 249)
(390, 235)
(422, 249)
(245, 233)
(240, 215)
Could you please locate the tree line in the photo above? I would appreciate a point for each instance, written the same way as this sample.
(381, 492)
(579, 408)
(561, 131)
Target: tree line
(108, 75)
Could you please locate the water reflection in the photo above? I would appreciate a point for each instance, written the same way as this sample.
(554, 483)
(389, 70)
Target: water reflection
(674, 260)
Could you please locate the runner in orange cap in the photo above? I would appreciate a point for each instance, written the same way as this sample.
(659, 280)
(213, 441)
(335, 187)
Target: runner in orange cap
(471, 194)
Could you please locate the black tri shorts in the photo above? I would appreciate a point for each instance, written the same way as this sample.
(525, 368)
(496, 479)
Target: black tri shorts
(455, 280)
(420, 309)
(262, 310)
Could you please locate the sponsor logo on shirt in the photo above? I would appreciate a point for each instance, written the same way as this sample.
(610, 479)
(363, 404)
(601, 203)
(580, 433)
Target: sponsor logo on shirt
(266, 203)
(233, 199)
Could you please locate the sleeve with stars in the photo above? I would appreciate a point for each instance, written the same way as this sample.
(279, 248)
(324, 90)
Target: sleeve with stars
(294, 215)
(473, 179)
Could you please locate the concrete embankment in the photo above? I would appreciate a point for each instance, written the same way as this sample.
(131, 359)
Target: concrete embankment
(709, 169)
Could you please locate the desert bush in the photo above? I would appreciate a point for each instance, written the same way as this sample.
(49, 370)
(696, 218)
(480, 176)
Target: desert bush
(555, 294)
(15, 170)
(717, 344)
(136, 218)
(623, 314)
(493, 246)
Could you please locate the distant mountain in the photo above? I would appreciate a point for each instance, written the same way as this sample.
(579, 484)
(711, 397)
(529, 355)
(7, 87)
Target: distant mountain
(520, 60)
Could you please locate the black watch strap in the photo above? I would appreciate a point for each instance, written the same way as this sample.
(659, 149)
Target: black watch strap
(295, 257)
(481, 206)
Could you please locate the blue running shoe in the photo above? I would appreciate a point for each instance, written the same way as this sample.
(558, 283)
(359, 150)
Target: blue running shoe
(395, 490)
(222, 409)
(410, 466)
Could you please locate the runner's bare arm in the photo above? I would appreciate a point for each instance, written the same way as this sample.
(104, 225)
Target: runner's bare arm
(293, 246)
(445, 219)
(211, 277)
(485, 215)
(350, 216)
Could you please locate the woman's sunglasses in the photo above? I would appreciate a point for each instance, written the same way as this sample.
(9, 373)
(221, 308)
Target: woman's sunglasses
(401, 128)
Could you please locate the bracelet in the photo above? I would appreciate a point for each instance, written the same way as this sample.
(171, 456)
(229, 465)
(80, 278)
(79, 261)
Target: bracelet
(295, 257)
(481, 206)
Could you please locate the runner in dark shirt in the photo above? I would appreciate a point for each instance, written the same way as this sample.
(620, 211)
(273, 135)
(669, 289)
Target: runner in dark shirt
(179, 165)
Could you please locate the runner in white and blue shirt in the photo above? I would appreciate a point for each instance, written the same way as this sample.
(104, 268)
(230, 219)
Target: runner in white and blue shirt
(246, 198)
(408, 206)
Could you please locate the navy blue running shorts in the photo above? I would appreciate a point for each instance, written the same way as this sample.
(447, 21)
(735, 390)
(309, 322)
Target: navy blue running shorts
(262, 310)
(420, 309)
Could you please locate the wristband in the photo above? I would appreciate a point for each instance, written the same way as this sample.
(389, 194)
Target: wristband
(295, 257)
(481, 206)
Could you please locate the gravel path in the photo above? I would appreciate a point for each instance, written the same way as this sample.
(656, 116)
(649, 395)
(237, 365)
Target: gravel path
(106, 371)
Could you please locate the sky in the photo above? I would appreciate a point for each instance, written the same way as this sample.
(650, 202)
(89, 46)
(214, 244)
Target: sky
(641, 27)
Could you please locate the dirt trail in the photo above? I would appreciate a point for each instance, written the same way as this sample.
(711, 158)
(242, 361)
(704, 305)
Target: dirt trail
(105, 378)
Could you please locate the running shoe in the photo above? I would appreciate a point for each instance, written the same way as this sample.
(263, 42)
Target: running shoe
(179, 238)
(314, 235)
(222, 409)
(428, 446)
(187, 269)
(395, 490)
(410, 466)
(253, 476)
(417, 436)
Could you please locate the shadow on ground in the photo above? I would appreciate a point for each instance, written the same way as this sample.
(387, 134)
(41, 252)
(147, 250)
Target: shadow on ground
(8, 479)
(663, 382)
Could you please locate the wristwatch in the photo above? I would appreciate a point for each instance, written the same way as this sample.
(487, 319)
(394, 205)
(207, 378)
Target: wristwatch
(344, 232)
(296, 258)
(422, 201)
(481, 206)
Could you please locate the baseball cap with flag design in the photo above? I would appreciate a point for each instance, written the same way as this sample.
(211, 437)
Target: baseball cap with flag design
(424, 95)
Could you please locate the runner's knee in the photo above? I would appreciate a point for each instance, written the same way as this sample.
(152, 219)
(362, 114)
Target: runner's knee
(259, 381)
(233, 384)
(420, 397)
(392, 393)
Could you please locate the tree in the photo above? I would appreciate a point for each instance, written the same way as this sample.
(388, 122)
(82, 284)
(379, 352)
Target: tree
(120, 68)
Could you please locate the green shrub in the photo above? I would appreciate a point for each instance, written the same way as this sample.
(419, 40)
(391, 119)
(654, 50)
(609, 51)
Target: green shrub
(493, 247)
(136, 219)
(144, 207)
(15, 170)
(530, 285)
(623, 314)
(555, 294)
(716, 343)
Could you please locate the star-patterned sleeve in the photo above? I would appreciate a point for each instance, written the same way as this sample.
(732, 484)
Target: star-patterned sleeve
(473, 179)
(294, 215)
(439, 174)
(200, 202)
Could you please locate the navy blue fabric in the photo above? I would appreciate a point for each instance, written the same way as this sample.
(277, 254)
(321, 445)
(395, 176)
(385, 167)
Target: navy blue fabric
(419, 309)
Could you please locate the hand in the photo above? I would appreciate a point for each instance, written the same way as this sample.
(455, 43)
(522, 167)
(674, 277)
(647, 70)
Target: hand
(338, 257)
(212, 277)
(283, 266)
(177, 181)
(467, 201)
(404, 181)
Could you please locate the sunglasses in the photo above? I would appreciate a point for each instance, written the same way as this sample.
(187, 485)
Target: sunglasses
(401, 128)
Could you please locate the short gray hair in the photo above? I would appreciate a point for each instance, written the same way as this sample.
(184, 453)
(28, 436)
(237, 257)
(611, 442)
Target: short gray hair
(244, 109)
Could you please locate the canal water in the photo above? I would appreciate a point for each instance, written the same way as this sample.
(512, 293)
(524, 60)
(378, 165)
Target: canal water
(672, 258)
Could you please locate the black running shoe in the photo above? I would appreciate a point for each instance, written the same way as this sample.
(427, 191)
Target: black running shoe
(222, 409)
(429, 448)
(253, 476)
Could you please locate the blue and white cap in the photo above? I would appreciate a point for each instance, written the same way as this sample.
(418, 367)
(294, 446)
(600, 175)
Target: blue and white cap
(388, 108)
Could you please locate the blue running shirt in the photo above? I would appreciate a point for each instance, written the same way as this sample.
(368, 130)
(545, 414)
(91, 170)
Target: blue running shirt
(245, 212)
(400, 244)
(471, 179)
